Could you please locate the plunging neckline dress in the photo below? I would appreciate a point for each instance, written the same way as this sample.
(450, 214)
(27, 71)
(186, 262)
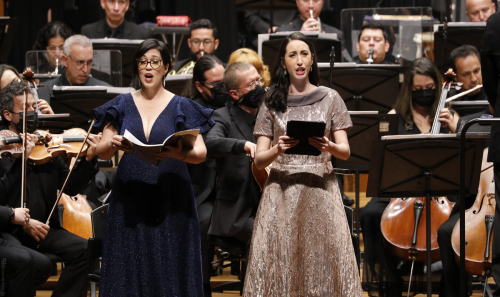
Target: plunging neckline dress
(151, 244)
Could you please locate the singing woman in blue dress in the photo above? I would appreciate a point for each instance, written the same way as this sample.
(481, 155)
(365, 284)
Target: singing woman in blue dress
(152, 241)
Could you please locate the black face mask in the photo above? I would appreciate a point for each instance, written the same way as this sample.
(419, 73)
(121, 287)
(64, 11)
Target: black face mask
(424, 98)
(32, 122)
(219, 96)
(252, 98)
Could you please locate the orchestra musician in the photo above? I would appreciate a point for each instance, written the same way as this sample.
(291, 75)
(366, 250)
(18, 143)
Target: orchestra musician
(151, 245)
(416, 106)
(51, 38)
(203, 39)
(466, 63)
(43, 181)
(231, 143)
(24, 268)
(207, 89)
(77, 59)
(479, 10)
(115, 25)
(301, 243)
(9, 74)
(490, 63)
(372, 36)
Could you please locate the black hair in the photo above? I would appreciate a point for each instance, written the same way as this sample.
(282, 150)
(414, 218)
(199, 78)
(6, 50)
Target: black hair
(373, 26)
(276, 97)
(5, 67)
(143, 48)
(461, 52)
(7, 95)
(203, 23)
(51, 30)
(204, 64)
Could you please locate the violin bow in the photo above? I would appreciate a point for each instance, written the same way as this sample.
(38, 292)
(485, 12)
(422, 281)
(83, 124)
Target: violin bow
(69, 175)
(25, 139)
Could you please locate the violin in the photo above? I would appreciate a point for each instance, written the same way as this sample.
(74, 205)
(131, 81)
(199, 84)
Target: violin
(48, 145)
(76, 215)
(478, 225)
(403, 222)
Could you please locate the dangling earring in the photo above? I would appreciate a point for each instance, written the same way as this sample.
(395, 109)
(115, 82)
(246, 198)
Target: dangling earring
(311, 69)
(284, 71)
(163, 77)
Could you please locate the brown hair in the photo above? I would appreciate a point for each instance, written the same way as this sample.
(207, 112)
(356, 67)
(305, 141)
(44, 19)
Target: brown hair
(404, 104)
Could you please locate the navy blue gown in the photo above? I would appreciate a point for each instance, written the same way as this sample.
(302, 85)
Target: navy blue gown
(152, 241)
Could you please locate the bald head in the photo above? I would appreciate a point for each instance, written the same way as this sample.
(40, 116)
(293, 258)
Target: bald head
(479, 10)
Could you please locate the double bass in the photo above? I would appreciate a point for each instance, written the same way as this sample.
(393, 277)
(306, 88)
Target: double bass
(403, 222)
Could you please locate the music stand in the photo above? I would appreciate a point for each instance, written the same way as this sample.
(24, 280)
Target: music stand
(177, 83)
(8, 30)
(464, 108)
(423, 165)
(54, 123)
(364, 87)
(127, 47)
(458, 34)
(269, 45)
(368, 126)
(265, 4)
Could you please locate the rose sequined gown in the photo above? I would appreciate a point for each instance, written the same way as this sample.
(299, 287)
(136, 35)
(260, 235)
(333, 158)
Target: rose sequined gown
(301, 245)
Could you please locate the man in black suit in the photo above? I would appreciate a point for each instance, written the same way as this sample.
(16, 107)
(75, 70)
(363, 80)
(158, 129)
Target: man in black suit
(231, 143)
(202, 41)
(23, 268)
(490, 67)
(43, 182)
(205, 89)
(77, 59)
(115, 25)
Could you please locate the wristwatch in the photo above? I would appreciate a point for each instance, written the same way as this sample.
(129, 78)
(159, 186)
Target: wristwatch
(12, 216)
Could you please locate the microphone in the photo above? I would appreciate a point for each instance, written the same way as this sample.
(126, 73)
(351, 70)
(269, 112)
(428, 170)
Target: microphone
(370, 56)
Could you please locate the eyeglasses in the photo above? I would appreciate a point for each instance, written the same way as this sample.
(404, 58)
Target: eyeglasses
(206, 42)
(258, 81)
(55, 48)
(218, 84)
(81, 63)
(120, 2)
(143, 63)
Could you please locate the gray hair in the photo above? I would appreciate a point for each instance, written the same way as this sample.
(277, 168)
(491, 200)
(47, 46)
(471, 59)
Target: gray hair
(81, 40)
(231, 78)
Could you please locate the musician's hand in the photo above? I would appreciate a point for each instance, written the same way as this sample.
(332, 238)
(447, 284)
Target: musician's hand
(44, 107)
(286, 142)
(323, 144)
(173, 151)
(310, 25)
(448, 120)
(250, 149)
(20, 216)
(30, 144)
(274, 29)
(92, 141)
(116, 143)
(36, 229)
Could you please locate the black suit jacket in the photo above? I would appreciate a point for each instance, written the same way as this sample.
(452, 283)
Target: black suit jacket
(46, 91)
(202, 175)
(238, 194)
(43, 181)
(9, 182)
(130, 30)
(490, 68)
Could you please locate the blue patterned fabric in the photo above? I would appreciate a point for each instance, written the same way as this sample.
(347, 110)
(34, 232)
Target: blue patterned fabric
(152, 241)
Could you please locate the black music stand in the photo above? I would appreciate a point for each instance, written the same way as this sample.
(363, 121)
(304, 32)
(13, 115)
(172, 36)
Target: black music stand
(365, 87)
(416, 167)
(463, 152)
(177, 83)
(465, 108)
(458, 34)
(79, 105)
(367, 127)
(265, 4)
(127, 48)
(8, 30)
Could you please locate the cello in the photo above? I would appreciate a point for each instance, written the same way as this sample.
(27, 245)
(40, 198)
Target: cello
(478, 226)
(403, 222)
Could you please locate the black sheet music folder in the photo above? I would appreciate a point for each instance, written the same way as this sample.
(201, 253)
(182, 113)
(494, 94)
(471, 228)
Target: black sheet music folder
(303, 130)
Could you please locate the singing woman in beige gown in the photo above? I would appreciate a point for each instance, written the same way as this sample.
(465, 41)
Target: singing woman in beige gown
(301, 245)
